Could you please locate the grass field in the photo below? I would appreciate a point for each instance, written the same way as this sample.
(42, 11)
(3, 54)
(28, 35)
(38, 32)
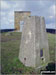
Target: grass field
(10, 45)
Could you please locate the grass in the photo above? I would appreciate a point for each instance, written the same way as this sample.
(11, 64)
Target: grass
(10, 45)
(52, 43)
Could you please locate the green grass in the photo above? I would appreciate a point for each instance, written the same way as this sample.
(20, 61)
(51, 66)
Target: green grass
(10, 45)
(52, 43)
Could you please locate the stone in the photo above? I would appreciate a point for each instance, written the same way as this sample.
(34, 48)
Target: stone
(34, 49)
(19, 16)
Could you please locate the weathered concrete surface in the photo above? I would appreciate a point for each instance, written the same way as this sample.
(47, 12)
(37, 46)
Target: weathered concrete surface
(19, 16)
(34, 38)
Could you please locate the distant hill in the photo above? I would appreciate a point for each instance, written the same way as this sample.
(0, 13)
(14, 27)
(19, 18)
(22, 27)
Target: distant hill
(53, 31)
(7, 30)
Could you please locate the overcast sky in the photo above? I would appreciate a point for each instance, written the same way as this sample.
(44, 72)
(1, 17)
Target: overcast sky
(44, 8)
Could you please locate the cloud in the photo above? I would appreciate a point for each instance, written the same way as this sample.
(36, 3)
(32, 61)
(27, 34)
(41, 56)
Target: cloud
(20, 4)
(11, 13)
(3, 13)
(52, 10)
(4, 5)
(37, 7)
(51, 26)
(7, 20)
(17, 5)
(50, 17)
(10, 17)
(7, 12)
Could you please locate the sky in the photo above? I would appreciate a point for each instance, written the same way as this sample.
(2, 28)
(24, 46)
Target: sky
(45, 8)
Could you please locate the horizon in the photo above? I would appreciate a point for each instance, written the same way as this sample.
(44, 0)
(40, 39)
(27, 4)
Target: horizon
(37, 8)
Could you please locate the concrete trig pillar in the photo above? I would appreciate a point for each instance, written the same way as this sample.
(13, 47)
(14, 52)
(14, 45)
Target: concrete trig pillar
(34, 50)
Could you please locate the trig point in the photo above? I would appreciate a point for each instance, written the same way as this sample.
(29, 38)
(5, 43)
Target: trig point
(34, 51)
